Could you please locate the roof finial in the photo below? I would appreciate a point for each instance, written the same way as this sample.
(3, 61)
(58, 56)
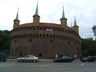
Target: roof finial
(71, 23)
(75, 22)
(17, 14)
(63, 14)
(36, 12)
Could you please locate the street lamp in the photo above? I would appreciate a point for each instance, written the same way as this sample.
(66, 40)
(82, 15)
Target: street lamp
(94, 31)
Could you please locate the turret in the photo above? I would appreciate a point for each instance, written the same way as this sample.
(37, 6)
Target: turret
(16, 21)
(76, 27)
(63, 19)
(36, 17)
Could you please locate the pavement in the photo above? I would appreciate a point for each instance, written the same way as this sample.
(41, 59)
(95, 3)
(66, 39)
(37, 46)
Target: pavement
(47, 65)
(42, 60)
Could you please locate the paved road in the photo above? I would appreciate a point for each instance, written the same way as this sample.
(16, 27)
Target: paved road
(47, 66)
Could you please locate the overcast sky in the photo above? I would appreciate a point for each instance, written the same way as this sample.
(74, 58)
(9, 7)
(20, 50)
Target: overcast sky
(50, 11)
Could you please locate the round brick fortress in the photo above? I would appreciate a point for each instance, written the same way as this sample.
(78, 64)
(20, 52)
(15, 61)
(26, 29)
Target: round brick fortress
(44, 40)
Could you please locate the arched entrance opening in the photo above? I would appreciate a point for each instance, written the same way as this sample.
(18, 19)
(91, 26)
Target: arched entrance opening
(21, 54)
(40, 54)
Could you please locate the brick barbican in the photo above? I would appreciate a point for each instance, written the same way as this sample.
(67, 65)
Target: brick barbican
(45, 40)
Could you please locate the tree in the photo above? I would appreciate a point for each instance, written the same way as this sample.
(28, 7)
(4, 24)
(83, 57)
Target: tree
(5, 40)
(88, 47)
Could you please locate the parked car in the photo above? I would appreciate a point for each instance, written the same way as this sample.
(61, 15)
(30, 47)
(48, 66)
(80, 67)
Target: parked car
(2, 57)
(28, 58)
(64, 59)
(94, 57)
(88, 59)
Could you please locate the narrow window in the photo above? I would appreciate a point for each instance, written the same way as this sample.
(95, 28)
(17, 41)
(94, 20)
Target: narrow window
(51, 40)
(30, 40)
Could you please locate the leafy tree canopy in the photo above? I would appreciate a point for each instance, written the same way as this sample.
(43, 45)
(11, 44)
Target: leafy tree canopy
(4, 40)
(88, 47)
